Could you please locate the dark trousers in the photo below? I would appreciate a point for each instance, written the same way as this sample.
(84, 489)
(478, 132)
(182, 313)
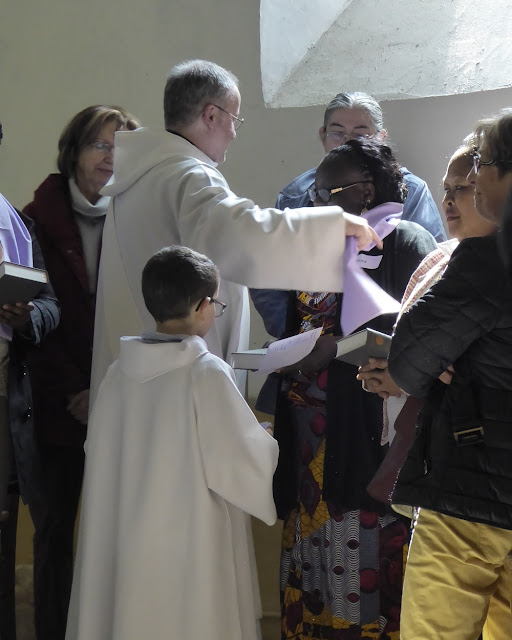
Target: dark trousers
(8, 530)
(54, 518)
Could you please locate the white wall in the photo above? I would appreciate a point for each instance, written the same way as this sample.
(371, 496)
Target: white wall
(59, 56)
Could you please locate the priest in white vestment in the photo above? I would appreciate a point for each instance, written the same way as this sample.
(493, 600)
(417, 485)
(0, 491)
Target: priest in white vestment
(167, 190)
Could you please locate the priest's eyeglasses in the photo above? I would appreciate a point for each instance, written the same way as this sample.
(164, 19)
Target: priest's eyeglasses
(325, 194)
(220, 307)
(237, 121)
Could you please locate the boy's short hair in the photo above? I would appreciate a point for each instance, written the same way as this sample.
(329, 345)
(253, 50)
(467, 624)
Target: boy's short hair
(176, 278)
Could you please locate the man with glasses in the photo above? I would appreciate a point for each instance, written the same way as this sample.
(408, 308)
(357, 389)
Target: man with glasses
(167, 190)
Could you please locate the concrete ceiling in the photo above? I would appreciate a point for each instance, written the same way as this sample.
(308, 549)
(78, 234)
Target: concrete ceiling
(391, 49)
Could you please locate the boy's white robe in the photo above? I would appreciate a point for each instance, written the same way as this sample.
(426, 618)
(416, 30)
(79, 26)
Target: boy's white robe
(167, 191)
(174, 459)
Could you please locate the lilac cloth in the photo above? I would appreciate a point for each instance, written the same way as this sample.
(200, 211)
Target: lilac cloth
(16, 244)
(363, 299)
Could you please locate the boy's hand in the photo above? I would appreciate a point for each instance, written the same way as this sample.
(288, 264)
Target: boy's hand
(78, 406)
(268, 427)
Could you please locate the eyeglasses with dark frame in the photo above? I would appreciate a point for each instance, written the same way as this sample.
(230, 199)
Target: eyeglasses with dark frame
(325, 194)
(220, 307)
(238, 122)
(478, 162)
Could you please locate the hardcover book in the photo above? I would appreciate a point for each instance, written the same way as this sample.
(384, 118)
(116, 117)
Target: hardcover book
(359, 347)
(19, 283)
(250, 360)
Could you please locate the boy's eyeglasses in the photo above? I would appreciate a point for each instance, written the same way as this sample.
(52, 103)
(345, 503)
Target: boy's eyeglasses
(220, 307)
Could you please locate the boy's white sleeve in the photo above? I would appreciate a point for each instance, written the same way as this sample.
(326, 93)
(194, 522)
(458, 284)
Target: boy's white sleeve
(239, 456)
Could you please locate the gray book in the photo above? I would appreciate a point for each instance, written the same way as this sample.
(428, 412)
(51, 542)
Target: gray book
(19, 283)
(359, 347)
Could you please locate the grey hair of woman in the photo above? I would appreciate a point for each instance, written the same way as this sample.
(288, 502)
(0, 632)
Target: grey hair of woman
(356, 100)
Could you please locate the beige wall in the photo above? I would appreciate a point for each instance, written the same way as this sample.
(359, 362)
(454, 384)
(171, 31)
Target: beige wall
(59, 56)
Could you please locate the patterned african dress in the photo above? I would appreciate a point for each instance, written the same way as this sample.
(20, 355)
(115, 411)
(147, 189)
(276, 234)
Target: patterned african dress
(341, 570)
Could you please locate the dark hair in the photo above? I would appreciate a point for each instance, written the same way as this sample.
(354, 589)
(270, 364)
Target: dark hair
(191, 85)
(496, 134)
(176, 278)
(375, 160)
(356, 100)
(84, 129)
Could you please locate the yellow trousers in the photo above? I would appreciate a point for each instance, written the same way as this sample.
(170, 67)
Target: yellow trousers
(458, 581)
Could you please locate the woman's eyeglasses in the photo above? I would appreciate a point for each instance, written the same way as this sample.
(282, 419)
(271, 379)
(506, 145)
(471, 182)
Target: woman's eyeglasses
(325, 194)
(102, 147)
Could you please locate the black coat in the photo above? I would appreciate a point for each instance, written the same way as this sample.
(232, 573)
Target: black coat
(461, 461)
(45, 318)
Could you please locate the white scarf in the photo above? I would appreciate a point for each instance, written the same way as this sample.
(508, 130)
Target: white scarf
(90, 219)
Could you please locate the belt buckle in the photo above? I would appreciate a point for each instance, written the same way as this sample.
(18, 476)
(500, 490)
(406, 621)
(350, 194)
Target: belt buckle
(469, 436)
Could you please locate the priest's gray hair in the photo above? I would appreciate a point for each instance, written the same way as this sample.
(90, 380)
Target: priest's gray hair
(191, 85)
(356, 100)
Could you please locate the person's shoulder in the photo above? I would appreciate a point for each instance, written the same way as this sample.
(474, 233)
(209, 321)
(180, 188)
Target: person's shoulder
(52, 190)
(53, 183)
(211, 370)
(211, 364)
(479, 260)
(411, 235)
(411, 180)
(410, 228)
(484, 247)
(299, 184)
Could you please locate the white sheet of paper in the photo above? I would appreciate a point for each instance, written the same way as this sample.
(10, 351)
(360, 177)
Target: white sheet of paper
(288, 351)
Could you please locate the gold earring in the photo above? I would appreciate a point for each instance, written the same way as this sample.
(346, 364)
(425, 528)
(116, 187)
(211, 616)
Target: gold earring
(365, 208)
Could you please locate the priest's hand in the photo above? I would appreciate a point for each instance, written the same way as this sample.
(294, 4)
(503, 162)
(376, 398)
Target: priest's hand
(361, 230)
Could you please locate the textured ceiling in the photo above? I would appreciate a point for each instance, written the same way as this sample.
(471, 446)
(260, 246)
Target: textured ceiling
(392, 49)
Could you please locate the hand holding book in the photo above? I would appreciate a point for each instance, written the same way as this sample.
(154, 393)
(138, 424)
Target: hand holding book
(318, 360)
(16, 315)
(376, 379)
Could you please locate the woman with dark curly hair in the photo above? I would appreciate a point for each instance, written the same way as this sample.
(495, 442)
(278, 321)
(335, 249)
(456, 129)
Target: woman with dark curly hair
(343, 553)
